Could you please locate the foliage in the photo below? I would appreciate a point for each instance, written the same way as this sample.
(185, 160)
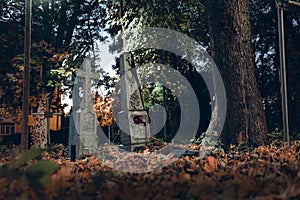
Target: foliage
(190, 18)
(63, 32)
(184, 16)
(276, 136)
(28, 156)
(265, 43)
(39, 173)
(187, 17)
(29, 169)
(103, 108)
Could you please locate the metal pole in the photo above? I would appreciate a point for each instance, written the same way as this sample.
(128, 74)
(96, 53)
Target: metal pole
(284, 96)
(26, 77)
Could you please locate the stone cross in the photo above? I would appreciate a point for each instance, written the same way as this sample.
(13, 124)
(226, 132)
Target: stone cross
(87, 74)
(86, 117)
(42, 135)
(135, 120)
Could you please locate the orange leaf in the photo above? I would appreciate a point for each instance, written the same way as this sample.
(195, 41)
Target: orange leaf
(211, 164)
(183, 177)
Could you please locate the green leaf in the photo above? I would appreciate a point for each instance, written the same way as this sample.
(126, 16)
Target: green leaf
(39, 173)
(99, 179)
(26, 157)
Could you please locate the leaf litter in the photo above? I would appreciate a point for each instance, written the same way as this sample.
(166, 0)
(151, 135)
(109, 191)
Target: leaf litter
(266, 172)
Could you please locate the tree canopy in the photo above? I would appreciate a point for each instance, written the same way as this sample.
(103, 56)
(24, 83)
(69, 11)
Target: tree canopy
(63, 32)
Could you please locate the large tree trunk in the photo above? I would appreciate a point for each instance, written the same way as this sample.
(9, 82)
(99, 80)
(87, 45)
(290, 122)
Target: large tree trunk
(229, 24)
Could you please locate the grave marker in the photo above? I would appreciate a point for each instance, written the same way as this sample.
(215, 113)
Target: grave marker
(87, 117)
(133, 117)
(41, 133)
(73, 133)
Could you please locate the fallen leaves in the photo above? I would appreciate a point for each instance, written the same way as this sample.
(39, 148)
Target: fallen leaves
(211, 164)
(268, 172)
(183, 177)
(62, 178)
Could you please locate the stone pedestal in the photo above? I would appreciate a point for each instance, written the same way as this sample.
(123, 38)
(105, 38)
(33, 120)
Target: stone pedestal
(88, 131)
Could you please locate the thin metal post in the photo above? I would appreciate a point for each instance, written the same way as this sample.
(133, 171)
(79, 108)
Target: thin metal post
(284, 96)
(26, 78)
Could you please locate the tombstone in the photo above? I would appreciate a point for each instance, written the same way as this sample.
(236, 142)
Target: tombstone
(132, 117)
(41, 133)
(73, 133)
(86, 117)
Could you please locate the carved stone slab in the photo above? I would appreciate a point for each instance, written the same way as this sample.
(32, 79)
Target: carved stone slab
(88, 131)
(39, 134)
(131, 104)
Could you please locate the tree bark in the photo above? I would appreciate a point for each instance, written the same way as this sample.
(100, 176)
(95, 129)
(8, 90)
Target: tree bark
(230, 34)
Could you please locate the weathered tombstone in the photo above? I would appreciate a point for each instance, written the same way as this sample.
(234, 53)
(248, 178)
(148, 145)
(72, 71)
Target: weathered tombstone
(133, 117)
(73, 133)
(87, 119)
(41, 133)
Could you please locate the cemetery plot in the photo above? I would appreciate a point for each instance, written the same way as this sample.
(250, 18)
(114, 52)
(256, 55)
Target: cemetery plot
(132, 117)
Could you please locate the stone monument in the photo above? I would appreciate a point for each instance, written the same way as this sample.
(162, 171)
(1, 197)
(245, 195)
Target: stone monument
(86, 118)
(39, 135)
(73, 133)
(41, 132)
(133, 118)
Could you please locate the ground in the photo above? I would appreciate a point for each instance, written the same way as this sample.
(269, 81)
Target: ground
(266, 172)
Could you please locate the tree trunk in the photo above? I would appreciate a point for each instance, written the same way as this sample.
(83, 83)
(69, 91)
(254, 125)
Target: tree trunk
(229, 24)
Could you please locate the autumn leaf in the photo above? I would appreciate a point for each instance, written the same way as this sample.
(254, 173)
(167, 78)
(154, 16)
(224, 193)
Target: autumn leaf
(62, 178)
(244, 175)
(211, 164)
(183, 177)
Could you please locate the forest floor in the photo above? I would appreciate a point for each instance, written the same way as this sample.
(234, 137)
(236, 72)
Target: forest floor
(266, 172)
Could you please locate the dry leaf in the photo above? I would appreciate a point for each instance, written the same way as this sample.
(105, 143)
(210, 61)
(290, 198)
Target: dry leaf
(211, 164)
(183, 177)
